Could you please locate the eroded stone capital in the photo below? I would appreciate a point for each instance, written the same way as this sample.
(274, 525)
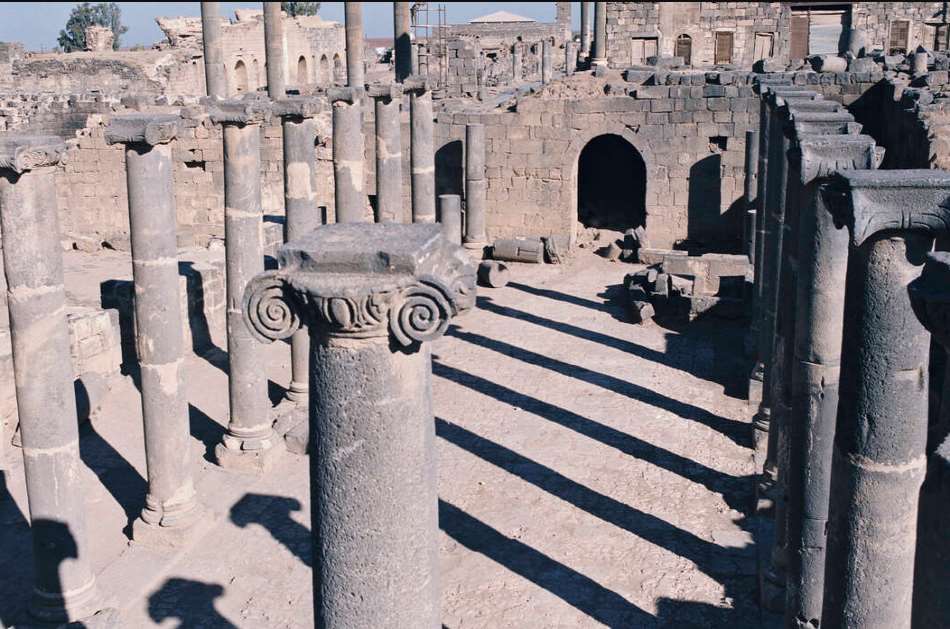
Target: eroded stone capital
(143, 129)
(930, 296)
(822, 155)
(348, 95)
(867, 202)
(362, 281)
(20, 153)
(416, 84)
(251, 109)
(299, 107)
(386, 91)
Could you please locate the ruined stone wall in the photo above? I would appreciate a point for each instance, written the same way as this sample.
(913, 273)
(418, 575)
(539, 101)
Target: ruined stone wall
(700, 20)
(690, 133)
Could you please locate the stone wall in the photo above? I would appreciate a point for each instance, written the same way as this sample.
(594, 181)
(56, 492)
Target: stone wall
(701, 20)
(690, 133)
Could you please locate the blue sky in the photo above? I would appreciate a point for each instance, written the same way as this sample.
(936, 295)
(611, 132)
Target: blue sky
(37, 24)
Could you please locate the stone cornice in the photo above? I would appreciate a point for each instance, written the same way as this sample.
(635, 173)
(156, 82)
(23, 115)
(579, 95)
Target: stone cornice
(867, 202)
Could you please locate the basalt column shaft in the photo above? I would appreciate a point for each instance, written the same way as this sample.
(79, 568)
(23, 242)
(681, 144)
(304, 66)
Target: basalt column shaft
(476, 188)
(820, 281)
(517, 71)
(215, 73)
(348, 155)
(387, 100)
(599, 53)
(750, 189)
(881, 434)
(276, 61)
(373, 471)
(585, 29)
(63, 582)
(171, 507)
(570, 58)
(353, 24)
(450, 217)
(249, 442)
(402, 43)
(421, 153)
(302, 215)
(546, 68)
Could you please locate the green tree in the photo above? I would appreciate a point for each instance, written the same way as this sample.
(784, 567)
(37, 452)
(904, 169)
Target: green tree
(293, 9)
(107, 14)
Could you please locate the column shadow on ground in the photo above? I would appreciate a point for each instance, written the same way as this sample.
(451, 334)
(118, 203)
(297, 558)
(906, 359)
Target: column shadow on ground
(16, 565)
(191, 602)
(576, 589)
(713, 480)
(738, 432)
(273, 513)
(570, 299)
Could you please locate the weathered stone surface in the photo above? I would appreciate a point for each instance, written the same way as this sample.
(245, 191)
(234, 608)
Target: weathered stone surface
(518, 250)
(493, 274)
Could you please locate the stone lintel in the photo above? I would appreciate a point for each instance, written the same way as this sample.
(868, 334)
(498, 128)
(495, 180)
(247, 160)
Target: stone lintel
(348, 95)
(300, 107)
(390, 91)
(364, 280)
(869, 201)
(151, 129)
(816, 105)
(808, 127)
(251, 109)
(20, 153)
(821, 155)
(417, 84)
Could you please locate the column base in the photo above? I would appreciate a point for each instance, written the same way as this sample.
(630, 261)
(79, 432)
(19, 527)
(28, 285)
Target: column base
(169, 533)
(55, 607)
(476, 249)
(298, 392)
(234, 454)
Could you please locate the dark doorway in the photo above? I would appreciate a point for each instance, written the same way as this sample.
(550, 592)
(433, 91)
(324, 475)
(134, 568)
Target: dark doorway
(611, 184)
(450, 169)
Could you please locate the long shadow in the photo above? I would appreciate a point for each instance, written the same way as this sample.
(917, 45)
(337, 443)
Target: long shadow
(206, 430)
(706, 555)
(713, 480)
(576, 589)
(202, 343)
(559, 296)
(737, 431)
(192, 602)
(16, 570)
(273, 513)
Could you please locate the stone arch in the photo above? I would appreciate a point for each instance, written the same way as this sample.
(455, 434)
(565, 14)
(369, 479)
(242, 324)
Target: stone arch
(325, 75)
(240, 76)
(684, 48)
(571, 161)
(302, 78)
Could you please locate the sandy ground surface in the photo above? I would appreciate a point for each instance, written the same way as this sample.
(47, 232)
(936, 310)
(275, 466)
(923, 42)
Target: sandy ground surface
(592, 473)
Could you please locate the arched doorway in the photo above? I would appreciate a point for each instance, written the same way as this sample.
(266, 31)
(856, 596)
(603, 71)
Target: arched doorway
(302, 71)
(684, 48)
(611, 184)
(240, 76)
(325, 76)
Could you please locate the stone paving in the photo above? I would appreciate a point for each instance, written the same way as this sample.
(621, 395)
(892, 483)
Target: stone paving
(592, 473)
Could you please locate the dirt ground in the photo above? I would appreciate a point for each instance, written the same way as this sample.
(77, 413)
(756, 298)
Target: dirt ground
(592, 473)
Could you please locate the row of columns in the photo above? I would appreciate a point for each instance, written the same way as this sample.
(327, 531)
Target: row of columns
(837, 245)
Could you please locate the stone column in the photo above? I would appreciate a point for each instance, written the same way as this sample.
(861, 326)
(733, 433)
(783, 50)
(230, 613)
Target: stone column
(64, 587)
(274, 50)
(415, 58)
(819, 283)
(570, 58)
(476, 189)
(585, 29)
(450, 217)
(348, 149)
(402, 42)
(171, 507)
(300, 207)
(373, 470)
(215, 73)
(751, 171)
(421, 151)
(517, 64)
(387, 100)
(249, 443)
(353, 22)
(881, 433)
(546, 69)
(599, 53)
